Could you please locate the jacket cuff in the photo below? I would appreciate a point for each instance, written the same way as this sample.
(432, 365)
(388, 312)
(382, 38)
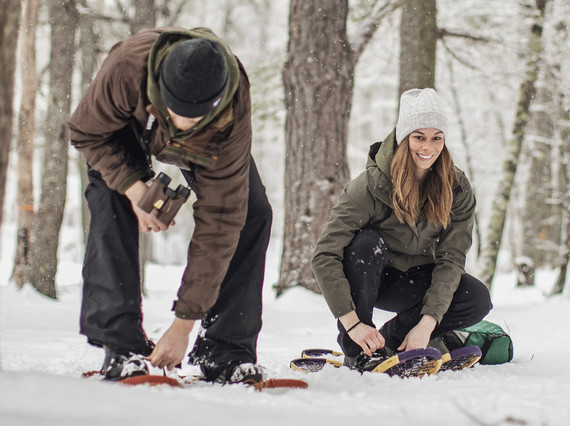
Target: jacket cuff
(139, 175)
(183, 314)
(428, 311)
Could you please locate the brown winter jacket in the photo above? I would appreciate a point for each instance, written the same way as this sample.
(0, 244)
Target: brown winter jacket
(366, 201)
(219, 147)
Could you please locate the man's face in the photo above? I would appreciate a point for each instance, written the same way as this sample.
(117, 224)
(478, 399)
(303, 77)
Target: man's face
(183, 123)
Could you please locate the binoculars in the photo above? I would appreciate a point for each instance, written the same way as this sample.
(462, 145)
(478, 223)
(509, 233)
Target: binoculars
(164, 200)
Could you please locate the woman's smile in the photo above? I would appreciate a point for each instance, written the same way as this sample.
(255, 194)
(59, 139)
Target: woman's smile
(425, 146)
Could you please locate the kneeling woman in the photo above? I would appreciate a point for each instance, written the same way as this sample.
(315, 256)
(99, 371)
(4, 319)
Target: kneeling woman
(397, 240)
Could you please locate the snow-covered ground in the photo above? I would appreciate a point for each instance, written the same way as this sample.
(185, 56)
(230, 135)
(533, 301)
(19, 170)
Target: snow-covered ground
(42, 357)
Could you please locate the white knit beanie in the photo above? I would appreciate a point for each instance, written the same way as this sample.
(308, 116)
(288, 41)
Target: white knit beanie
(419, 109)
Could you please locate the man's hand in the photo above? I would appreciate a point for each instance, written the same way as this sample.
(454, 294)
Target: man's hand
(171, 348)
(368, 338)
(420, 335)
(147, 221)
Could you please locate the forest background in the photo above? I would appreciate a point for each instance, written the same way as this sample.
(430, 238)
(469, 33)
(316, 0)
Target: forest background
(326, 78)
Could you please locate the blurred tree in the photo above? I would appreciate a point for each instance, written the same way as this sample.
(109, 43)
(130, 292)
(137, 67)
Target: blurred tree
(559, 70)
(418, 42)
(25, 149)
(527, 93)
(64, 19)
(9, 29)
(545, 187)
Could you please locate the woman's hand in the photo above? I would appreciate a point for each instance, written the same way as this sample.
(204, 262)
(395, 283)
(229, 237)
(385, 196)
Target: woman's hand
(147, 221)
(368, 338)
(420, 335)
(171, 348)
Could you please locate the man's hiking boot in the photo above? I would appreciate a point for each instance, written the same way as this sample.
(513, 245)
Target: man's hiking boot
(246, 373)
(234, 372)
(120, 365)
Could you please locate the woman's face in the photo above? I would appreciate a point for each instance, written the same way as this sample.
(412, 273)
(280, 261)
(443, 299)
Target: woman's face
(425, 146)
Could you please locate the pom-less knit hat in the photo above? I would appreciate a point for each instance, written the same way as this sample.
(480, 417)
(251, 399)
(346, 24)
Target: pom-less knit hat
(193, 77)
(419, 109)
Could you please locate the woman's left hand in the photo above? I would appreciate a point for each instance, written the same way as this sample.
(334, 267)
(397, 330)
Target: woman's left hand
(420, 335)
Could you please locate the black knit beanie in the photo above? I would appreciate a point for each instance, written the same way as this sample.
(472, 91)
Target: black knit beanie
(193, 77)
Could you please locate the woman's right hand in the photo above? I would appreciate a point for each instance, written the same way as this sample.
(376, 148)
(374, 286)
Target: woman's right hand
(368, 338)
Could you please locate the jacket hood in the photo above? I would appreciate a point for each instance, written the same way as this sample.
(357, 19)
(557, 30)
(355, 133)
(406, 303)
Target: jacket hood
(380, 154)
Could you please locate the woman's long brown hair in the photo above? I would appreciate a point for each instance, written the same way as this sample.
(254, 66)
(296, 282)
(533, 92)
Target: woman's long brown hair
(435, 193)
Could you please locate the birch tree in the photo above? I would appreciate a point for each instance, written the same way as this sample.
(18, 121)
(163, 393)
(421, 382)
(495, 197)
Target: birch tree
(526, 94)
(560, 70)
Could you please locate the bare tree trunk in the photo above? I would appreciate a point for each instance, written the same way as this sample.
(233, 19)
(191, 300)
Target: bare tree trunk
(418, 41)
(560, 282)
(145, 12)
(541, 237)
(145, 16)
(26, 130)
(9, 27)
(89, 48)
(64, 21)
(526, 94)
(563, 114)
(318, 81)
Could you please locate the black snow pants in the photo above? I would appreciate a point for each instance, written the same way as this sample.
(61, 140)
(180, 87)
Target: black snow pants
(111, 311)
(373, 285)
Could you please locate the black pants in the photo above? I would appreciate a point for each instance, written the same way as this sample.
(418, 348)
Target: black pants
(373, 285)
(111, 313)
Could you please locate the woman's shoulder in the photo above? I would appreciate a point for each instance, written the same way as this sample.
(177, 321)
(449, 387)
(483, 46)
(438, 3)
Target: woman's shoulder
(462, 182)
(463, 196)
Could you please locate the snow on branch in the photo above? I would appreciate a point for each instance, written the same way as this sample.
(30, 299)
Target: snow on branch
(377, 12)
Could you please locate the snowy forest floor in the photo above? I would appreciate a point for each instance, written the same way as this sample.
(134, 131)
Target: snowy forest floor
(42, 357)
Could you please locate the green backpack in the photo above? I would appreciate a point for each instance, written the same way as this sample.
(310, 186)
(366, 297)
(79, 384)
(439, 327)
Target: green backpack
(496, 345)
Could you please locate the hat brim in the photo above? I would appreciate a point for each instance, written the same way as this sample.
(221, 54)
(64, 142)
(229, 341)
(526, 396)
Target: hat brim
(189, 109)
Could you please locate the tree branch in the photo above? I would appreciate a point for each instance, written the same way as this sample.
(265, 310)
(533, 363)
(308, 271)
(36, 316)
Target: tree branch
(123, 11)
(376, 14)
(442, 32)
(457, 58)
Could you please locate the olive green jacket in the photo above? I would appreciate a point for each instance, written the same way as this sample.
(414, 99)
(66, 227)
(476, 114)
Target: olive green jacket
(366, 201)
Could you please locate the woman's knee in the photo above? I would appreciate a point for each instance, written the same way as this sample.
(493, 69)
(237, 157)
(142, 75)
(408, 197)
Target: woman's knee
(478, 294)
(366, 246)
